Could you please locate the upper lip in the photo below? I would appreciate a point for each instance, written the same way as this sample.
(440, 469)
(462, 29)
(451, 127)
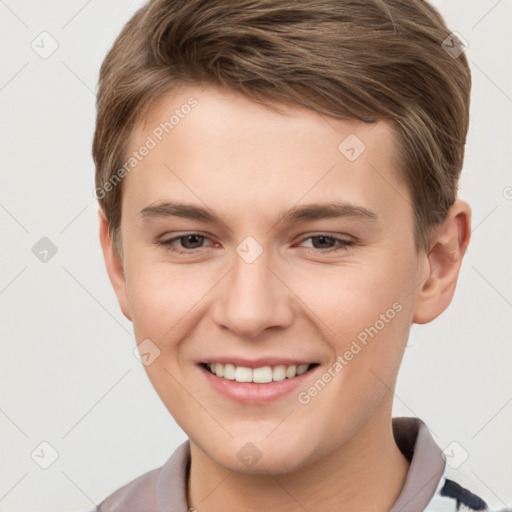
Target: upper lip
(258, 363)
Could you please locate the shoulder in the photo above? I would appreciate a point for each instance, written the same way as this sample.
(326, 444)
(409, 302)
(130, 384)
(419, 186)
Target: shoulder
(437, 480)
(457, 490)
(137, 495)
(161, 488)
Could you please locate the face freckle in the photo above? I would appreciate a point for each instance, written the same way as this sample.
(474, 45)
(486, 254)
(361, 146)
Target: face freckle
(268, 196)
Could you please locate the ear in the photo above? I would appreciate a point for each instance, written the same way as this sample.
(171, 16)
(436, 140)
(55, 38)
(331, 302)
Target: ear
(444, 261)
(114, 265)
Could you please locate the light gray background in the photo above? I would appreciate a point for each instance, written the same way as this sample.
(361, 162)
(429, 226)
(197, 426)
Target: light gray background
(68, 373)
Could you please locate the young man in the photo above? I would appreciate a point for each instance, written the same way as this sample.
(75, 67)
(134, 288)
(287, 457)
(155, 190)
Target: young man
(278, 204)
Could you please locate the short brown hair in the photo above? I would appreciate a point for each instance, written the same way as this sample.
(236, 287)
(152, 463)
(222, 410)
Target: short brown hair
(363, 60)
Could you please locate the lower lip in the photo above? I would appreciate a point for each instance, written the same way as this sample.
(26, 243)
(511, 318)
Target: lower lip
(253, 393)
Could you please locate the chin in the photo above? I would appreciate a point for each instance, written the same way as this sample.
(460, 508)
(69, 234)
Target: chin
(261, 457)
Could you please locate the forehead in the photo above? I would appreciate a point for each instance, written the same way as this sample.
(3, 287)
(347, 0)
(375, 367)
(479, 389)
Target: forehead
(219, 147)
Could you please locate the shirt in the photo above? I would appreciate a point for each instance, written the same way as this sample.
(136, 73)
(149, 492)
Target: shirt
(434, 483)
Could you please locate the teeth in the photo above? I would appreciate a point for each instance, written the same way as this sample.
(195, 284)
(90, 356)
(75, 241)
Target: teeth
(229, 371)
(260, 375)
(302, 368)
(243, 374)
(291, 371)
(279, 372)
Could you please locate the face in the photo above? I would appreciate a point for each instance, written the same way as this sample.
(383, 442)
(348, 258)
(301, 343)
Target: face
(267, 243)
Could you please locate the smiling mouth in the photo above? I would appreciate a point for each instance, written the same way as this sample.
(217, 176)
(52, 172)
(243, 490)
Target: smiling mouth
(261, 375)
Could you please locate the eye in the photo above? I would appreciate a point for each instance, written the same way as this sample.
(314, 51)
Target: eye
(190, 242)
(334, 243)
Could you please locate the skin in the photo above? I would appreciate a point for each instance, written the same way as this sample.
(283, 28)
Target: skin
(249, 165)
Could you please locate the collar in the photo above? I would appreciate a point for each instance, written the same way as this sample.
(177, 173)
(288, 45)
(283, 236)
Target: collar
(426, 464)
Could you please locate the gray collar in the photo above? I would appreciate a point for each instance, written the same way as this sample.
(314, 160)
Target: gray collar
(427, 464)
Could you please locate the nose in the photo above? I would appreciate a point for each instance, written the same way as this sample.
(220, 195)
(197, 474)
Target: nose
(252, 297)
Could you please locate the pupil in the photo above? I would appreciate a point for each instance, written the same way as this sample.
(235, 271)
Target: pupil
(322, 238)
(191, 237)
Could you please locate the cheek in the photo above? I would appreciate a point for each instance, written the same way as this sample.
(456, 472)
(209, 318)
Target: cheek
(366, 314)
(351, 299)
(161, 298)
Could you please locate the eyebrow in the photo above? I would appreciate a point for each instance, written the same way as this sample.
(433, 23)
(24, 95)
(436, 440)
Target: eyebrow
(305, 213)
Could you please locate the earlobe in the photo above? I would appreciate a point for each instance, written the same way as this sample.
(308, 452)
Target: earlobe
(113, 264)
(444, 263)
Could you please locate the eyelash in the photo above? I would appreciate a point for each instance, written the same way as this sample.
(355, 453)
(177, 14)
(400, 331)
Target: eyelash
(343, 244)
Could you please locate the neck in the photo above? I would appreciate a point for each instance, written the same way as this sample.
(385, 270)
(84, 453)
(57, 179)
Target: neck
(366, 473)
